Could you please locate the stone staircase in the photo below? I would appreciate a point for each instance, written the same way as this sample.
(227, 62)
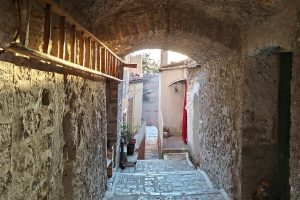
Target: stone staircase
(163, 180)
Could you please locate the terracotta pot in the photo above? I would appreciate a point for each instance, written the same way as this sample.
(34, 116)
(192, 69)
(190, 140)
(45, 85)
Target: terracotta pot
(166, 134)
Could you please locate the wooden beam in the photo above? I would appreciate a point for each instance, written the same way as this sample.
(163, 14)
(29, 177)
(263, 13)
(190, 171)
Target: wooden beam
(17, 48)
(47, 29)
(129, 65)
(24, 17)
(62, 38)
(73, 44)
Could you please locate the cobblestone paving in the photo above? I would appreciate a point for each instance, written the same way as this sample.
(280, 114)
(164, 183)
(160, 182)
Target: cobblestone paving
(151, 148)
(163, 180)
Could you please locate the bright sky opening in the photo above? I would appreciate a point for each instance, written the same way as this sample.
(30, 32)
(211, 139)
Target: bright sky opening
(155, 55)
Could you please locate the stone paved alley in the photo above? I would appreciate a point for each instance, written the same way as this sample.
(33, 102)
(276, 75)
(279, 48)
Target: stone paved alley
(163, 179)
(151, 149)
(169, 179)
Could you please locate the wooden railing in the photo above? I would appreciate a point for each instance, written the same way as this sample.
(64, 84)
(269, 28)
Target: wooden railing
(64, 42)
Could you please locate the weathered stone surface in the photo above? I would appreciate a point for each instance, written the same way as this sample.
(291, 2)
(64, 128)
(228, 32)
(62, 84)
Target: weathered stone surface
(295, 119)
(52, 134)
(260, 122)
(220, 120)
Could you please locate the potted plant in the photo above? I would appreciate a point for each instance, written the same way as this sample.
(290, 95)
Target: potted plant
(128, 138)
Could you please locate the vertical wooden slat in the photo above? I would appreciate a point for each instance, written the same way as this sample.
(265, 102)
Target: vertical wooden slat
(94, 60)
(107, 62)
(47, 28)
(103, 60)
(98, 68)
(62, 40)
(23, 30)
(82, 50)
(73, 44)
(88, 53)
(111, 64)
(114, 66)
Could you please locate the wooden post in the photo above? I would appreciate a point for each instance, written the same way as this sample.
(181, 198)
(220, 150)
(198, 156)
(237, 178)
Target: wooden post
(73, 44)
(62, 40)
(47, 29)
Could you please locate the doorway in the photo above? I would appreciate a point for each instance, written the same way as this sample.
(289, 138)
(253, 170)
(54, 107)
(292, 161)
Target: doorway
(284, 123)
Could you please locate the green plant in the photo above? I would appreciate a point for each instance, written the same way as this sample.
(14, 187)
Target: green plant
(126, 133)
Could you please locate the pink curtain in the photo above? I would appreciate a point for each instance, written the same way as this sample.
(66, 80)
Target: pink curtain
(184, 116)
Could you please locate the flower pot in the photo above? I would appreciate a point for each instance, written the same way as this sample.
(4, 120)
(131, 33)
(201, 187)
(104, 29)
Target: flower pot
(130, 148)
(166, 134)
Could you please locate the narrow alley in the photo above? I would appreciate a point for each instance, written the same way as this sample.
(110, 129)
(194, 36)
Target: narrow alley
(148, 99)
(162, 179)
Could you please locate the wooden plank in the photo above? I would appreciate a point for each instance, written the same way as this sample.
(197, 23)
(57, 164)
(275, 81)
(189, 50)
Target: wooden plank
(17, 48)
(88, 53)
(62, 38)
(24, 17)
(82, 50)
(73, 44)
(47, 29)
(129, 65)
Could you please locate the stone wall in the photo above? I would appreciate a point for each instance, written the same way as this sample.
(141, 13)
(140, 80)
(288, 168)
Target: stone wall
(112, 112)
(270, 37)
(52, 133)
(260, 122)
(295, 118)
(220, 104)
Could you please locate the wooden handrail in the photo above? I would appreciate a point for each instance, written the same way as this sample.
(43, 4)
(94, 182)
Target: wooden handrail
(17, 48)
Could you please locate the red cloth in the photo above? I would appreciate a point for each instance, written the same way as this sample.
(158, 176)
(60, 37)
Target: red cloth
(184, 116)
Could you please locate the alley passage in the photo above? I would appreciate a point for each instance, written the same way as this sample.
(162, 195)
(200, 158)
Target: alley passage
(163, 180)
(150, 179)
(151, 148)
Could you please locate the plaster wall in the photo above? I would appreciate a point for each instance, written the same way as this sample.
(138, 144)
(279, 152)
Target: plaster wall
(136, 93)
(172, 98)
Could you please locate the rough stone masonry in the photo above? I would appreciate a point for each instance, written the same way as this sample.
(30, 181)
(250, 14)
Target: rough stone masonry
(52, 133)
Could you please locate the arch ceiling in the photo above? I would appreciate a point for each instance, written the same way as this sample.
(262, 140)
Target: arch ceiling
(197, 28)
